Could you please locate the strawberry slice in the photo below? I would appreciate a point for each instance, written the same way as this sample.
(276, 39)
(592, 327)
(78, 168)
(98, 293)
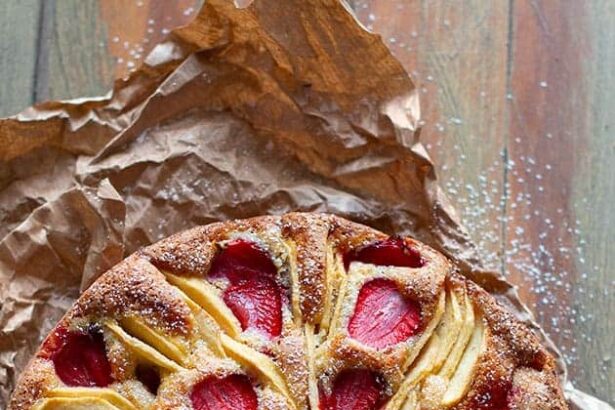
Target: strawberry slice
(388, 252)
(233, 392)
(356, 389)
(80, 358)
(253, 295)
(257, 303)
(242, 260)
(383, 316)
(498, 397)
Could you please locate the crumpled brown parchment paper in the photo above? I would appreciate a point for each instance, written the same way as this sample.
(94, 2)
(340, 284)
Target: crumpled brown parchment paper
(280, 106)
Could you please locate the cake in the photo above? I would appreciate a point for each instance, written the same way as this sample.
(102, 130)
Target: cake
(299, 311)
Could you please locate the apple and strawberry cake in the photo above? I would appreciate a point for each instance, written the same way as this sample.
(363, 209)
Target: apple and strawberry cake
(300, 311)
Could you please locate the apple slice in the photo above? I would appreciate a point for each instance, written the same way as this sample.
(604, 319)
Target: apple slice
(433, 353)
(429, 347)
(335, 275)
(436, 383)
(310, 343)
(75, 403)
(465, 333)
(421, 368)
(441, 342)
(108, 395)
(448, 330)
(164, 344)
(339, 302)
(143, 350)
(411, 401)
(234, 392)
(209, 330)
(205, 295)
(462, 378)
(426, 333)
(383, 316)
(257, 363)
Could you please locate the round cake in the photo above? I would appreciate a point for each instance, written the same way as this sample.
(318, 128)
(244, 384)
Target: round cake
(300, 311)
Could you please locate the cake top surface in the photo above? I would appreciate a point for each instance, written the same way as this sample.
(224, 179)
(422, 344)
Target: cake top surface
(299, 311)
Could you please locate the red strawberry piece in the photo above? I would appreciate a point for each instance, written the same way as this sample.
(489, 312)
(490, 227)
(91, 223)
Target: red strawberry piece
(356, 389)
(149, 376)
(233, 392)
(389, 252)
(54, 341)
(383, 316)
(253, 294)
(80, 358)
(242, 260)
(257, 303)
(498, 397)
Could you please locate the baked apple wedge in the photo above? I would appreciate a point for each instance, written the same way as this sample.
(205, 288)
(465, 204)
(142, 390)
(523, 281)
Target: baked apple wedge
(68, 395)
(208, 298)
(462, 378)
(437, 349)
(75, 403)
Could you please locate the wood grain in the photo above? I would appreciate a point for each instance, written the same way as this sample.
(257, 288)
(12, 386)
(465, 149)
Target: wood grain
(443, 45)
(77, 62)
(19, 23)
(538, 68)
(547, 91)
(558, 130)
(85, 44)
(594, 194)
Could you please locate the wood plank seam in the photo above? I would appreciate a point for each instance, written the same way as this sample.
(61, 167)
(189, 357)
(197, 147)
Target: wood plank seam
(505, 154)
(40, 91)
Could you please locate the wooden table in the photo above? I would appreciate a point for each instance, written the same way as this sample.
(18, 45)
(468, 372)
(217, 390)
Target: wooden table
(518, 102)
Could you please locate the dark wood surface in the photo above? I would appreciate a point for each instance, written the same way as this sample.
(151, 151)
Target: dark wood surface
(518, 103)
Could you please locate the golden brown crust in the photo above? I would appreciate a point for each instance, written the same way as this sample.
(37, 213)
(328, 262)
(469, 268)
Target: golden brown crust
(536, 390)
(309, 237)
(189, 252)
(140, 304)
(350, 235)
(513, 357)
(34, 382)
(135, 287)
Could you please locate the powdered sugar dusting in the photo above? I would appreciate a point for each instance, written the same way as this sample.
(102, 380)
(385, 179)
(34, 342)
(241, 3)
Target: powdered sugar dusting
(516, 206)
